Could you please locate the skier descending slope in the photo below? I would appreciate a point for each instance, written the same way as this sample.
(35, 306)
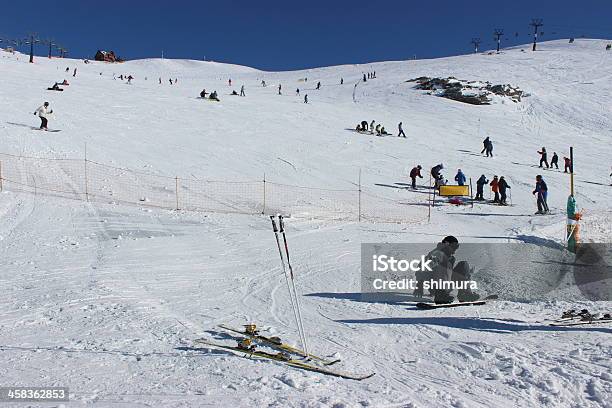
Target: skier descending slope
(444, 269)
(541, 189)
(43, 113)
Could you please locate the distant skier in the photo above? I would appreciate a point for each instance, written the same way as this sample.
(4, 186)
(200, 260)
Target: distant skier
(541, 189)
(460, 178)
(279, 89)
(242, 91)
(297, 92)
(170, 80)
(554, 161)
(400, 130)
(364, 78)
(567, 164)
(489, 149)
(503, 186)
(67, 69)
(74, 73)
(543, 157)
(480, 183)
(443, 269)
(129, 79)
(341, 81)
(414, 173)
(306, 98)
(160, 80)
(495, 188)
(318, 85)
(43, 113)
(230, 82)
(372, 126)
(485, 143)
(263, 83)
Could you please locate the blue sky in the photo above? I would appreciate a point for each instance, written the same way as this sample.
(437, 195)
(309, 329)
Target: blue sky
(284, 35)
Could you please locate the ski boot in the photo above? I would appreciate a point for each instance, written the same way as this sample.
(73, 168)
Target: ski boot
(465, 295)
(441, 296)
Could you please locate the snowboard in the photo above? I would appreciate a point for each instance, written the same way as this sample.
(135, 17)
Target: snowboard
(431, 305)
(48, 130)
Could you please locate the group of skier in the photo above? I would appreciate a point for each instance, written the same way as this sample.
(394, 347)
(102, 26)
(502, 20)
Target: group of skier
(379, 129)
(370, 75)
(554, 161)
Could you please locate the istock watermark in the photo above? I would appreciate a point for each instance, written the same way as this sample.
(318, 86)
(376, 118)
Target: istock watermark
(513, 271)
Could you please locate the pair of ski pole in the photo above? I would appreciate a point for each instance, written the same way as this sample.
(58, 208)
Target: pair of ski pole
(289, 277)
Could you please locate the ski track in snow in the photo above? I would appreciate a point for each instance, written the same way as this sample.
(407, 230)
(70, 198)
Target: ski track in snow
(106, 299)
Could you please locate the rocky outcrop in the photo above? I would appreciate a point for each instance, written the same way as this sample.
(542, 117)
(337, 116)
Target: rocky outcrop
(472, 92)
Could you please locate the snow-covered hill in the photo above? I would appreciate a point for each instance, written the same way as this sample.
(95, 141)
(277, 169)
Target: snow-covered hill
(93, 292)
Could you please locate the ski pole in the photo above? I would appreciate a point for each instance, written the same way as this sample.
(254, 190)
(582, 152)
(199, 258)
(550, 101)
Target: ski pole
(297, 301)
(280, 252)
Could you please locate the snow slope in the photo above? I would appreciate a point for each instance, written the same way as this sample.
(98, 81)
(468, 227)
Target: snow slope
(93, 292)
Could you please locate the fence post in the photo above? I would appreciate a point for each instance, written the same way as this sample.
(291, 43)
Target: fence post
(359, 204)
(86, 177)
(471, 193)
(263, 210)
(429, 201)
(176, 191)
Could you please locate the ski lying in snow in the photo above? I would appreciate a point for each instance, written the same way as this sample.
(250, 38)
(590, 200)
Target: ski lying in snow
(283, 358)
(428, 305)
(575, 322)
(276, 343)
(573, 318)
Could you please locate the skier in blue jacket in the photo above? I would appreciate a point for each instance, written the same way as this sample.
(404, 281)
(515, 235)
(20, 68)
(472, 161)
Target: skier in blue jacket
(541, 189)
(460, 178)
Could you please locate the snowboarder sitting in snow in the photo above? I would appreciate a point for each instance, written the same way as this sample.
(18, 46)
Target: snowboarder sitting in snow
(203, 93)
(65, 82)
(480, 183)
(234, 93)
(502, 185)
(460, 178)
(444, 269)
(364, 125)
(213, 96)
(383, 131)
(43, 112)
(414, 173)
(378, 129)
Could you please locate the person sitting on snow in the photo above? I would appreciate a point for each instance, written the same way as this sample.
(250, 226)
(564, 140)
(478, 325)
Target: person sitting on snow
(443, 269)
(203, 93)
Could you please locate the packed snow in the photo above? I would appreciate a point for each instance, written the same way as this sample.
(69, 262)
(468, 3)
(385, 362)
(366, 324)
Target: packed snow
(106, 297)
